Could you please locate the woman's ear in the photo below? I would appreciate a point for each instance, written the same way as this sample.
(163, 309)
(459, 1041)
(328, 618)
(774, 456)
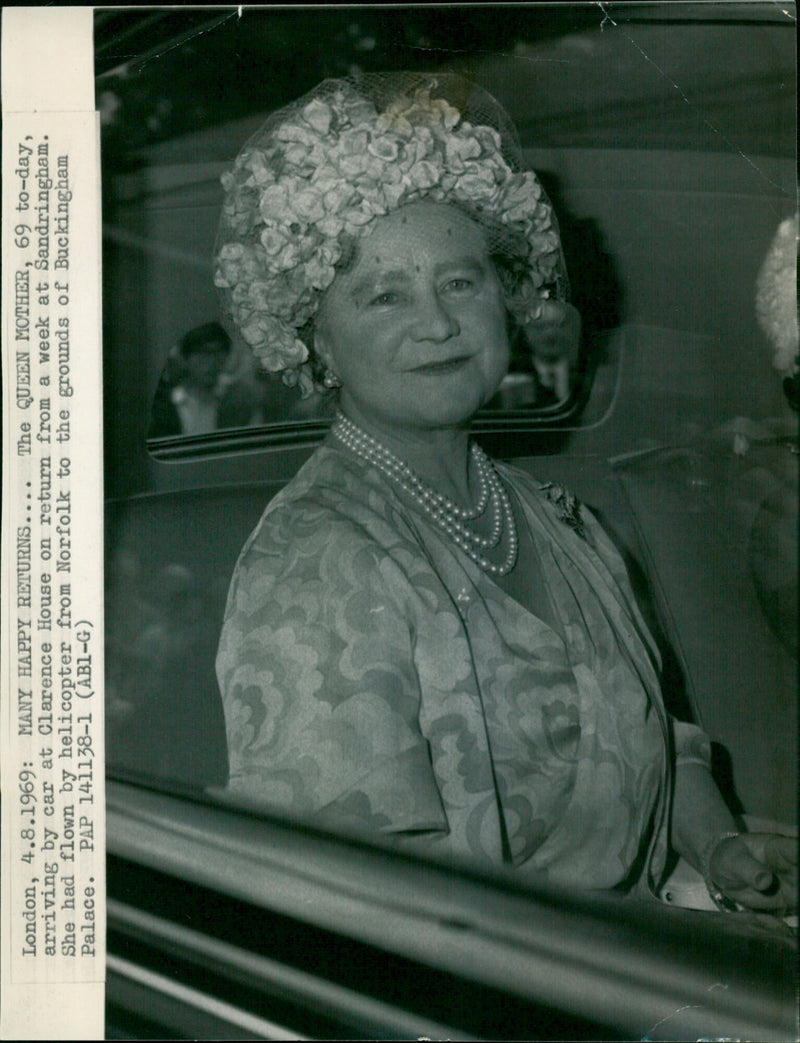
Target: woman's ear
(324, 358)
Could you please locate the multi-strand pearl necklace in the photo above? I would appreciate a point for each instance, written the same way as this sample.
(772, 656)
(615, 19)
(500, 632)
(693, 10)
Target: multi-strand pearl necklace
(446, 514)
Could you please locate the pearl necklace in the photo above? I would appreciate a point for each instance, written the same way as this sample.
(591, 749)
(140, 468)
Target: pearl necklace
(443, 511)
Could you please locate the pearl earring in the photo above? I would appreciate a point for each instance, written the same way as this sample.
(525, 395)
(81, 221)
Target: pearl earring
(330, 380)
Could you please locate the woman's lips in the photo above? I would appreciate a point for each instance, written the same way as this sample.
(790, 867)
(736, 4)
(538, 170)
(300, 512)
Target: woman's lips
(445, 366)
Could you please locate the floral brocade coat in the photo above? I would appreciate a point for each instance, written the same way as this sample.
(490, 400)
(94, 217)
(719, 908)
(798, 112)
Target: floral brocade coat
(374, 676)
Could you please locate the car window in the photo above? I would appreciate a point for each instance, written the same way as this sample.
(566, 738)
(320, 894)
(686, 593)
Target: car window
(200, 392)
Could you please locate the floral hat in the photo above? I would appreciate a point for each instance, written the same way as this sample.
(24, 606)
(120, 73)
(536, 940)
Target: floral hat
(320, 171)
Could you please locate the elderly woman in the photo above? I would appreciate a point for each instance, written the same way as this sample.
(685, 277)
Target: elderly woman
(418, 640)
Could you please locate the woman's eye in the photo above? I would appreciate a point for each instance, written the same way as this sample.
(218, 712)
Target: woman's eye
(460, 285)
(385, 298)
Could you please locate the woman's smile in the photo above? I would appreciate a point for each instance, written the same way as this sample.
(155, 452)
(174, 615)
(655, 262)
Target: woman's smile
(444, 366)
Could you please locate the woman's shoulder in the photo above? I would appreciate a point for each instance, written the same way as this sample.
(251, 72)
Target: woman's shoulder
(333, 505)
(557, 498)
(523, 480)
(333, 486)
(563, 515)
(325, 536)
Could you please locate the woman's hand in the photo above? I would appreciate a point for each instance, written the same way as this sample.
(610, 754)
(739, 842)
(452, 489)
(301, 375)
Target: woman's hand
(756, 870)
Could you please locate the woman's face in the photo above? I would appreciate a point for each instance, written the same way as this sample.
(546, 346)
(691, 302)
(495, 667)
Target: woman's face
(415, 329)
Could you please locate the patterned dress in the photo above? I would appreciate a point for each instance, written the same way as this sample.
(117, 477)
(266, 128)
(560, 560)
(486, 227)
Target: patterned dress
(372, 675)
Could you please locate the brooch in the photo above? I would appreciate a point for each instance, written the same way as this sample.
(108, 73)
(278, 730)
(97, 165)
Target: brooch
(568, 506)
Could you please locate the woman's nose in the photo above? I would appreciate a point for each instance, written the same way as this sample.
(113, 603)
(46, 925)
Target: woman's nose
(433, 321)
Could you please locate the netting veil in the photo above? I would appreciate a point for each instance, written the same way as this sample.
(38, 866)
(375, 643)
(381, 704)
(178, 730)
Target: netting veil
(312, 181)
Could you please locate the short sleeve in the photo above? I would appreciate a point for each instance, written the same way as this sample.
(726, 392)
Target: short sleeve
(316, 669)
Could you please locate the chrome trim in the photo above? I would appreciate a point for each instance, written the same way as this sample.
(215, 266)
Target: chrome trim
(311, 992)
(199, 1001)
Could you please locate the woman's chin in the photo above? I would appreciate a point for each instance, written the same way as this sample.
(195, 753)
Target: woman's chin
(450, 400)
(446, 408)
(431, 398)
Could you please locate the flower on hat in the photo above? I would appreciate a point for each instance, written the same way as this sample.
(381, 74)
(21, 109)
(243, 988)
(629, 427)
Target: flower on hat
(324, 174)
(406, 113)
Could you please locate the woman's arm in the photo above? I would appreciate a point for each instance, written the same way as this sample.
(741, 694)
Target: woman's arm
(318, 680)
(757, 870)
